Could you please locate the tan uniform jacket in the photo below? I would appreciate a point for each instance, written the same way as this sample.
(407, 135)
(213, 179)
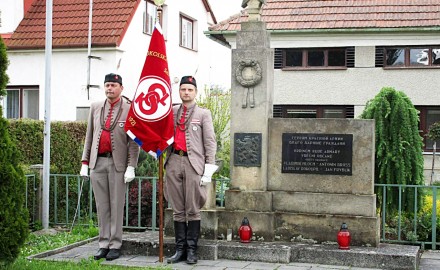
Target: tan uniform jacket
(125, 150)
(200, 138)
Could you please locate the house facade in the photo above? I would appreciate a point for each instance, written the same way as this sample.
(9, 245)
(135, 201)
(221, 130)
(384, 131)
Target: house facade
(331, 57)
(121, 32)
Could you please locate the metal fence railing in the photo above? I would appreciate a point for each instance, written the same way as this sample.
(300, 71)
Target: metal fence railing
(68, 193)
(71, 200)
(417, 226)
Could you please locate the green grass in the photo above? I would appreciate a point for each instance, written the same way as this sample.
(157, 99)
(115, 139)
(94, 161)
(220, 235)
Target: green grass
(39, 243)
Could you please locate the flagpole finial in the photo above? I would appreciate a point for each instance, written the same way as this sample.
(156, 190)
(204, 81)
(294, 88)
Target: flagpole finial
(159, 3)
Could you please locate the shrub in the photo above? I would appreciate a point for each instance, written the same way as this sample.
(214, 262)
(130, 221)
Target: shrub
(399, 158)
(67, 140)
(434, 131)
(13, 214)
(3, 66)
(218, 101)
(144, 202)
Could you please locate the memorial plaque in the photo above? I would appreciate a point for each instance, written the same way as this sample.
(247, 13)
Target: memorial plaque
(247, 149)
(311, 153)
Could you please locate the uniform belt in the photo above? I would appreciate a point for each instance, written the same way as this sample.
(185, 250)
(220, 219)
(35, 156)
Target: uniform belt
(106, 154)
(180, 152)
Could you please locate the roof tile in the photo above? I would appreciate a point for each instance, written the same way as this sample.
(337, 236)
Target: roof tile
(70, 23)
(340, 14)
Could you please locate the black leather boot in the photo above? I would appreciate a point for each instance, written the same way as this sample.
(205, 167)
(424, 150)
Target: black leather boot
(180, 235)
(192, 237)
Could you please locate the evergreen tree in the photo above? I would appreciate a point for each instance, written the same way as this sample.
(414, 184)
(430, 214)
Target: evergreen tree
(3, 66)
(13, 214)
(399, 158)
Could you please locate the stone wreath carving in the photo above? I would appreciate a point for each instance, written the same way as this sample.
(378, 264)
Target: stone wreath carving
(248, 74)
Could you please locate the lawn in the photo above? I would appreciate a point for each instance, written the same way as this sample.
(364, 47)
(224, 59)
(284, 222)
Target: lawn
(37, 243)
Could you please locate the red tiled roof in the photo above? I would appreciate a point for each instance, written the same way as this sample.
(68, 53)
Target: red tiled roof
(341, 14)
(70, 24)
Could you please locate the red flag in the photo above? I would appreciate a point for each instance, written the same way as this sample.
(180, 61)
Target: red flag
(150, 119)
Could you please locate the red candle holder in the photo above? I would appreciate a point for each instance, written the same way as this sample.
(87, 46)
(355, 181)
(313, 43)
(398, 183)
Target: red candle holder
(344, 237)
(245, 231)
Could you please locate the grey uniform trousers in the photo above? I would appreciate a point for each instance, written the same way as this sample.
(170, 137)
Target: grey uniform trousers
(184, 192)
(109, 189)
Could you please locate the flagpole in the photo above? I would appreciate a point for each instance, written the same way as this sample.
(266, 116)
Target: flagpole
(159, 4)
(161, 208)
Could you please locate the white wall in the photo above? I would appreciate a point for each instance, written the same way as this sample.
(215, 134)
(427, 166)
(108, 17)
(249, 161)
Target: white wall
(354, 86)
(69, 67)
(11, 15)
(210, 59)
(68, 80)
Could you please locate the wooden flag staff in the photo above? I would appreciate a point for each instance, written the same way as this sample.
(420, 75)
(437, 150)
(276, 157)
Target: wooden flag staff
(159, 4)
(161, 208)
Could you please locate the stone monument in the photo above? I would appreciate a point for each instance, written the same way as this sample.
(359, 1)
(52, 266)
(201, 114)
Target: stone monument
(293, 179)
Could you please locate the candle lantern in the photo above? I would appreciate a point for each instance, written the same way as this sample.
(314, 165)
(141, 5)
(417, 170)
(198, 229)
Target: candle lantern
(245, 231)
(344, 237)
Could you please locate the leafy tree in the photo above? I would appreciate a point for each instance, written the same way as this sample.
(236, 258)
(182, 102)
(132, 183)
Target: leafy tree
(218, 101)
(434, 132)
(13, 214)
(434, 135)
(399, 158)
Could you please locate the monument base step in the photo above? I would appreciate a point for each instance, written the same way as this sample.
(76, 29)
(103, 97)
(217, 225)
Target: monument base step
(385, 256)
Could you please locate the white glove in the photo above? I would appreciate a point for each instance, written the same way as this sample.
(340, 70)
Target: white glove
(205, 180)
(207, 174)
(129, 174)
(84, 171)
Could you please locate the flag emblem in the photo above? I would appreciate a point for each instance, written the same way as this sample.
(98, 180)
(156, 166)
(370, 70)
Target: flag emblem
(153, 99)
(150, 119)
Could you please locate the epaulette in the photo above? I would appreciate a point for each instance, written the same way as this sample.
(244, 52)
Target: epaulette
(127, 99)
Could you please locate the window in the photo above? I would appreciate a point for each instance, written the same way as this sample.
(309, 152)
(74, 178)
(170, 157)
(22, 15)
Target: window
(21, 102)
(150, 16)
(426, 56)
(187, 32)
(315, 58)
(428, 116)
(313, 111)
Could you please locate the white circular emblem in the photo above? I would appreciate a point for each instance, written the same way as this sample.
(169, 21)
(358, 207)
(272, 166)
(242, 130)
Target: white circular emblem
(194, 128)
(121, 124)
(152, 101)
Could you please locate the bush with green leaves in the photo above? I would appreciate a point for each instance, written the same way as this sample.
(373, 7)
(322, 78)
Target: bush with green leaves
(434, 131)
(66, 143)
(3, 66)
(218, 101)
(13, 214)
(399, 156)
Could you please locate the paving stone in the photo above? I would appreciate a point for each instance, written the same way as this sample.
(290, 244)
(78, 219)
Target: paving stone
(430, 260)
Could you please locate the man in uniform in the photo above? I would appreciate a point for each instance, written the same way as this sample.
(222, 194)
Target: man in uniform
(194, 146)
(111, 156)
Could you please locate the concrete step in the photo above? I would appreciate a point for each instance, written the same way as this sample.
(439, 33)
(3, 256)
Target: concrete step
(385, 256)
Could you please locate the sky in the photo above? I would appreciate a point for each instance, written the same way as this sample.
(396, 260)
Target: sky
(221, 74)
(223, 9)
